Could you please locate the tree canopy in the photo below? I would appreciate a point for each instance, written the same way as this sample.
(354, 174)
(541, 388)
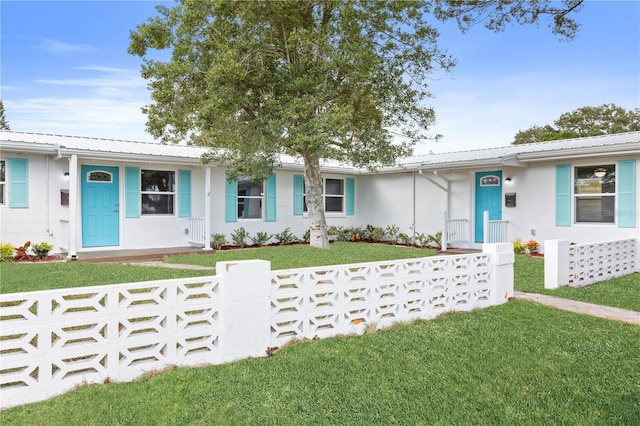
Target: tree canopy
(585, 121)
(4, 124)
(316, 79)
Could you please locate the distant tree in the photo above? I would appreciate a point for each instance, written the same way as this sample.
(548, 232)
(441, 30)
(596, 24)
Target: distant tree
(4, 124)
(586, 121)
(316, 79)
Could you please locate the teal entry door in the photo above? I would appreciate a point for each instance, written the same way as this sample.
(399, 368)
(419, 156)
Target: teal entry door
(488, 198)
(100, 206)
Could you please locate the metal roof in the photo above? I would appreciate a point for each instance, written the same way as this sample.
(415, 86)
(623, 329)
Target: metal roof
(622, 143)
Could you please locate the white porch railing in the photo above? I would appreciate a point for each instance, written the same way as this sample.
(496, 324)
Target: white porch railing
(52, 341)
(197, 231)
(455, 231)
(495, 231)
(584, 264)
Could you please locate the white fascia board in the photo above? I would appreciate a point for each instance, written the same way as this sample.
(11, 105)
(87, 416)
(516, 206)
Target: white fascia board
(598, 151)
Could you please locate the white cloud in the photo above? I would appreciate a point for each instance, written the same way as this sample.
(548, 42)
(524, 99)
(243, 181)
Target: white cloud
(59, 47)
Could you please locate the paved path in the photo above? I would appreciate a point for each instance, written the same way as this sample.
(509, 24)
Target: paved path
(623, 315)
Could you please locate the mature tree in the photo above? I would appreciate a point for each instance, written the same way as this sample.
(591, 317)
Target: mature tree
(496, 14)
(586, 121)
(4, 124)
(316, 79)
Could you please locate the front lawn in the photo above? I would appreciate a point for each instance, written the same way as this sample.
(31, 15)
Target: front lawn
(17, 277)
(518, 363)
(622, 292)
(303, 255)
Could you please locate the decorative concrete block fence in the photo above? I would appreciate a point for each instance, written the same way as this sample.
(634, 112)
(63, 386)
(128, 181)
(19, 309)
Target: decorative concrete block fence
(580, 265)
(53, 341)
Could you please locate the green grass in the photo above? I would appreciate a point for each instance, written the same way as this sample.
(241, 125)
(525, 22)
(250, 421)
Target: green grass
(302, 255)
(622, 292)
(518, 363)
(18, 277)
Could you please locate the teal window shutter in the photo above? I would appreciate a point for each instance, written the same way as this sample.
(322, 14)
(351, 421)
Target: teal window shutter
(298, 195)
(563, 195)
(350, 183)
(626, 180)
(231, 201)
(271, 199)
(18, 183)
(132, 192)
(184, 193)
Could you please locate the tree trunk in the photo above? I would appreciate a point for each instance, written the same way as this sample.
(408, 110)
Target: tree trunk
(315, 203)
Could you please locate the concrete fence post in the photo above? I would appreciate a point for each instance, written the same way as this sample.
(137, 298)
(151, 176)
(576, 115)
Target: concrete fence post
(501, 270)
(245, 288)
(485, 227)
(556, 263)
(637, 259)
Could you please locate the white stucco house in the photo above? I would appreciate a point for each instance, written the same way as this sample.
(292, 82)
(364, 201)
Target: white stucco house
(86, 194)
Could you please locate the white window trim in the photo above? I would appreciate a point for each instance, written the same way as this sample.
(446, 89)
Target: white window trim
(3, 184)
(174, 193)
(260, 197)
(574, 197)
(342, 213)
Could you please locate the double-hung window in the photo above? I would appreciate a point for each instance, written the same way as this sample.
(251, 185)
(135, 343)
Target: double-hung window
(157, 190)
(337, 194)
(250, 195)
(595, 193)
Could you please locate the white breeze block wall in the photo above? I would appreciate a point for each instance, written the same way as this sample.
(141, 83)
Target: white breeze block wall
(584, 264)
(53, 341)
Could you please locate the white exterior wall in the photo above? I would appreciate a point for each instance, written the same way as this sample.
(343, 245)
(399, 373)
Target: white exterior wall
(39, 222)
(285, 218)
(534, 214)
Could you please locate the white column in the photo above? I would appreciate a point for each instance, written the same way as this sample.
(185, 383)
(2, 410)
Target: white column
(485, 222)
(445, 230)
(246, 308)
(207, 208)
(501, 270)
(556, 263)
(73, 206)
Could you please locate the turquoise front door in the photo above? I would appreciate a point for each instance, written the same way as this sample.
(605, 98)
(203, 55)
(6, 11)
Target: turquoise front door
(488, 198)
(100, 206)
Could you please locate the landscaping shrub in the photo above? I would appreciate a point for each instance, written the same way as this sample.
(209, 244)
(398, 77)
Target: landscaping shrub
(392, 232)
(239, 237)
(285, 237)
(217, 241)
(42, 249)
(532, 246)
(6, 252)
(374, 233)
(261, 238)
(518, 246)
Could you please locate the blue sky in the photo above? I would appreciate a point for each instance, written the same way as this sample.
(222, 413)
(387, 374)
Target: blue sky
(65, 70)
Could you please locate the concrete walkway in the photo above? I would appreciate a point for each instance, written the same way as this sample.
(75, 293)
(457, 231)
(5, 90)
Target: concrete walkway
(607, 312)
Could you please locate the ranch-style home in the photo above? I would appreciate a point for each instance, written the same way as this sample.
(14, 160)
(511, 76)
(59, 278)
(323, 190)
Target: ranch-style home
(87, 194)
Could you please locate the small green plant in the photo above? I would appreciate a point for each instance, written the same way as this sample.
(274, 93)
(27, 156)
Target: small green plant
(518, 246)
(42, 249)
(339, 232)
(532, 246)
(392, 232)
(6, 252)
(356, 233)
(306, 236)
(217, 241)
(435, 240)
(374, 233)
(404, 239)
(285, 237)
(239, 237)
(261, 238)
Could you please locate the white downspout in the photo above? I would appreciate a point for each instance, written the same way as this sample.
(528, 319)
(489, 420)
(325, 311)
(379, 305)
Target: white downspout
(73, 206)
(207, 207)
